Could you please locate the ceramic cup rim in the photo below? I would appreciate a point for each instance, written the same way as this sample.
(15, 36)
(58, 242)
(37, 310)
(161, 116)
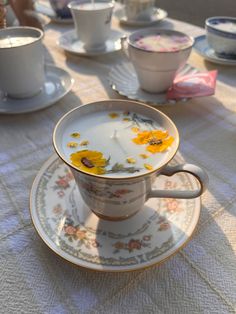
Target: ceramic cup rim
(40, 32)
(110, 4)
(210, 25)
(124, 178)
(164, 31)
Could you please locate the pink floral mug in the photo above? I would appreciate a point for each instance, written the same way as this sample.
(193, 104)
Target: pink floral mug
(115, 150)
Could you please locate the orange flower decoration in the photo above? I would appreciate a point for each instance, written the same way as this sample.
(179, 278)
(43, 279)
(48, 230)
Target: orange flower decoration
(157, 140)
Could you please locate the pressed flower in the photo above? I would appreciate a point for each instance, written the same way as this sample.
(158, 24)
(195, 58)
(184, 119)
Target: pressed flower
(75, 135)
(89, 161)
(113, 115)
(135, 129)
(158, 140)
(144, 156)
(130, 160)
(160, 146)
(72, 144)
(126, 119)
(148, 167)
(84, 143)
(145, 136)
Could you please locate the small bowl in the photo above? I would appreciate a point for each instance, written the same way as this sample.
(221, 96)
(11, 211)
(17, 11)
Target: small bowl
(221, 35)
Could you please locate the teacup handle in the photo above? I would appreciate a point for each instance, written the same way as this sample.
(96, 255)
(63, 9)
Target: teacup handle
(124, 45)
(194, 170)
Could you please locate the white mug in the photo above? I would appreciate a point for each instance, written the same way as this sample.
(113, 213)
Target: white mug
(92, 22)
(99, 192)
(156, 70)
(21, 61)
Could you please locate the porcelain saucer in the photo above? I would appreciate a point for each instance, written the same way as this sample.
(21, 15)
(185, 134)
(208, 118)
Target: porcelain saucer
(57, 84)
(69, 42)
(201, 46)
(157, 16)
(72, 231)
(123, 79)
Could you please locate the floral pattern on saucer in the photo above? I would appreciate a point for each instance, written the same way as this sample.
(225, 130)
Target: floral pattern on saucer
(71, 230)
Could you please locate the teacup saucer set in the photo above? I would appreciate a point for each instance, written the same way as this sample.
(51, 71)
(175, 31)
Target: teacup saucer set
(113, 197)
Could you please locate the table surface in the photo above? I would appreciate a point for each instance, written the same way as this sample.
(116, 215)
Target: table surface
(201, 278)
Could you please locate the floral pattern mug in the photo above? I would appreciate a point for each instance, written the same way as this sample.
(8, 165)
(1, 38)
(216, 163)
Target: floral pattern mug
(117, 198)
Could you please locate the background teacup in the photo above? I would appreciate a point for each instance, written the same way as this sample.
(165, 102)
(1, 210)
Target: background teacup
(139, 9)
(159, 57)
(21, 61)
(118, 196)
(92, 22)
(60, 8)
(221, 35)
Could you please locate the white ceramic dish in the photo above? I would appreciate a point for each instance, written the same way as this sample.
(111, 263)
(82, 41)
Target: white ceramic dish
(157, 16)
(57, 84)
(70, 43)
(73, 232)
(123, 79)
(221, 35)
(201, 47)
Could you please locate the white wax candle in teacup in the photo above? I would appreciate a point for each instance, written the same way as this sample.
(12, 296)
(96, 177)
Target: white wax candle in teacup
(21, 61)
(92, 21)
(157, 55)
(115, 150)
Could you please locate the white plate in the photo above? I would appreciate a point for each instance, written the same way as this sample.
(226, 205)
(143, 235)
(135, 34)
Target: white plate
(57, 84)
(123, 80)
(157, 16)
(69, 42)
(201, 46)
(73, 232)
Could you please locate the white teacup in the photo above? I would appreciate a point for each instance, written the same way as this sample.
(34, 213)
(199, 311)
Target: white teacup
(139, 9)
(92, 22)
(157, 61)
(221, 35)
(21, 61)
(115, 195)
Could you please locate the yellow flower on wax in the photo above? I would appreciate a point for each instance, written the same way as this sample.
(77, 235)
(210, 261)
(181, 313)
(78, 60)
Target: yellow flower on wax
(130, 160)
(148, 167)
(126, 119)
(89, 161)
(135, 129)
(144, 156)
(84, 143)
(145, 136)
(72, 144)
(159, 145)
(157, 140)
(113, 115)
(75, 135)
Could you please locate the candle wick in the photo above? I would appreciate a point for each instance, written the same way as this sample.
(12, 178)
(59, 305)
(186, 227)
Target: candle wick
(9, 39)
(115, 134)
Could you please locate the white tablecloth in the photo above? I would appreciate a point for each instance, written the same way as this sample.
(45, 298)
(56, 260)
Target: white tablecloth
(199, 279)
